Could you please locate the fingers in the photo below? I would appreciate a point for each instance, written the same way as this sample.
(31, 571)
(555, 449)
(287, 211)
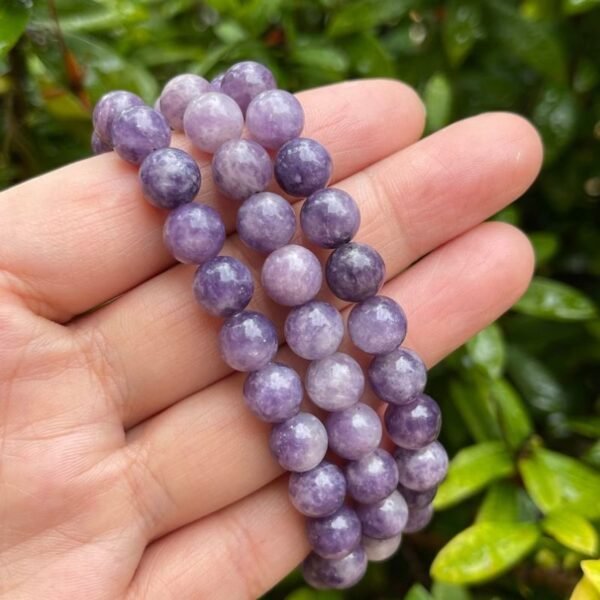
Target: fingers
(84, 234)
(411, 202)
(210, 441)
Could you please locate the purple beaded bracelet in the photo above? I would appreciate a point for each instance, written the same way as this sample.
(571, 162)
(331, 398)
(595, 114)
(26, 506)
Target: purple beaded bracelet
(360, 501)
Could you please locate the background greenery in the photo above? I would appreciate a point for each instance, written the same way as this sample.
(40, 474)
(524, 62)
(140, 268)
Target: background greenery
(521, 507)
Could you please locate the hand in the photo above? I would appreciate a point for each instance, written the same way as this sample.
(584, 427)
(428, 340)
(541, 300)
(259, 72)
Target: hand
(130, 467)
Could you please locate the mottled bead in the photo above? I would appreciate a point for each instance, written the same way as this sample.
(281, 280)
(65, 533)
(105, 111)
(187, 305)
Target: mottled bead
(302, 166)
(314, 330)
(340, 573)
(335, 382)
(194, 233)
(417, 499)
(291, 275)
(299, 443)
(372, 477)
(355, 272)
(248, 341)
(169, 177)
(223, 286)
(418, 519)
(422, 469)
(99, 146)
(241, 168)
(274, 117)
(415, 424)
(212, 119)
(330, 218)
(177, 94)
(138, 131)
(377, 325)
(385, 518)
(108, 108)
(245, 80)
(354, 431)
(274, 393)
(398, 376)
(215, 82)
(380, 550)
(265, 222)
(318, 492)
(336, 535)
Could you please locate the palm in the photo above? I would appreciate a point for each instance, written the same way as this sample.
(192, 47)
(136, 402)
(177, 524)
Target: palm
(129, 467)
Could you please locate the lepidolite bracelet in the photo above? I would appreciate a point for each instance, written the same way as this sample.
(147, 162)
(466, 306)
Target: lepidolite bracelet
(360, 501)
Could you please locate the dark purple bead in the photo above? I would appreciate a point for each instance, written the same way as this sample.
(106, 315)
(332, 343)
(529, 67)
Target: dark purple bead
(372, 477)
(138, 131)
(314, 330)
(398, 376)
(414, 425)
(354, 431)
(266, 222)
(177, 94)
(377, 325)
(194, 233)
(318, 492)
(248, 341)
(418, 519)
(417, 499)
(379, 550)
(169, 177)
(274, 393)
(336, 535)
(384, 519)
(422, 469)
(355, 272)
(108, 108)
(302, 166)
(98, 146)
(223, 286)
(245, 80)
(330, 218)
(340, 573)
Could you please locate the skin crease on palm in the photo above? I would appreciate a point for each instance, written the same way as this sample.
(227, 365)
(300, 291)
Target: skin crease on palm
(129, 466)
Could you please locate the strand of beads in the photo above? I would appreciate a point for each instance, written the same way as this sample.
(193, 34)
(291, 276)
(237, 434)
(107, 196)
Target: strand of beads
(392, 494)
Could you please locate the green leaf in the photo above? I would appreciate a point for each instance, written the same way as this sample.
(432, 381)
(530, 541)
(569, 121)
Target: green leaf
(549, 299)
(471, 470)
(486, 350)
(587, 426)
(364, 15)
(585, 590)
(306, 593)
(447, 591)
(545, 245)
(438, 101)
(501, 503)
(575, 7)
(14, 16)
(462, 27)
(512, 415)
(368, 57)
(418, 592)
(572, 531)
(591, 568)
(556, 481)
(484, 551)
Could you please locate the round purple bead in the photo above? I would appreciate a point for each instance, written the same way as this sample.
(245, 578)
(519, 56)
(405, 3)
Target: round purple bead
(380, 550)
(241, 168)
(248, 341)
(274, 117)
(245, 80)
(422, 469)
(318, 492)
(335, 382)
(314, 330)
(302, 166)
(274, 393)
(177, 94)
(418, 519)
(354, 431)
(299, 443)
(292, 275)
(330, 218)
(265, 222)
(398, 376)
(223, 286)
(215, 82)
(355, 272)
(194, 233)
(212, 119)
(108, 108)
(99, 146)
(340, 573)
(336, 535)
(417, 499)
(377, 325)
(169, 177)
(138, 131)
(385, 518)
(414, 425)
(372, 477)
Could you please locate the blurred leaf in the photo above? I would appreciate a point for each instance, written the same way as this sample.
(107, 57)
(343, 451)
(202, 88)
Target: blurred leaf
(587, 426)
(501, 503)
(483, 551)
(447, 591)
(305, 593)
(585, 590)
(549, 299)
(438, 101)
(14, 16)
(486, 350)
(545, 245)
(513, 416)
(230, 31)
(592, 455)
(418, 592)
(574, 7)
(591, 568)
(311, 52)
(462, 27)
(572, 531)
(471, 470)
(368, 57)
(366, 14)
